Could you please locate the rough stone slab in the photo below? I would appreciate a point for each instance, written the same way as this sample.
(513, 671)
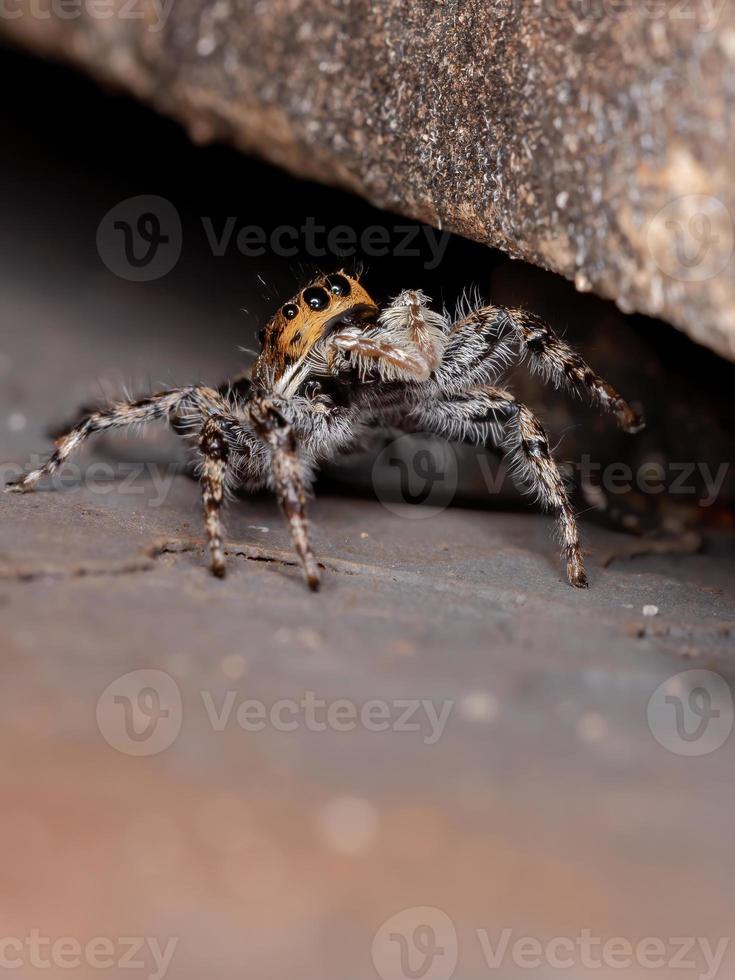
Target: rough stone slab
(590, 137)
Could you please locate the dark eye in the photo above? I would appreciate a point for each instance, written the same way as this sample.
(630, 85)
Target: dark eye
(316, 297)
(339, 285)
(290, 310)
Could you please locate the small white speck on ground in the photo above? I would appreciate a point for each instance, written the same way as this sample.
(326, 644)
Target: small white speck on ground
(650, 610)
(206, 45)
(364, 534)
(259, 527)
(479, 706)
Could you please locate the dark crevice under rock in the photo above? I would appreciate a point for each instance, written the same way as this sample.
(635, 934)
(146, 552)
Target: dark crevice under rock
(594, 139)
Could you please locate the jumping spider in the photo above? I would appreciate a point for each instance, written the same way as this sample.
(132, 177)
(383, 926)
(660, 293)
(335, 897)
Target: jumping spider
(333, 368)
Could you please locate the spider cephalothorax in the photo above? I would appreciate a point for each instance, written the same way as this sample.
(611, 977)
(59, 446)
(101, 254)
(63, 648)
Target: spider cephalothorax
(299, 326)
(334, 366)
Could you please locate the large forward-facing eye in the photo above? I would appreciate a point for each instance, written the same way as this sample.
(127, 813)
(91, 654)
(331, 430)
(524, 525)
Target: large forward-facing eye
(339, 285)
(316, 298)
(290, 311)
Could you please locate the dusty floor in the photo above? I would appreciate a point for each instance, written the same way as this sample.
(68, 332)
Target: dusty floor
(446, 726)
(530, 794)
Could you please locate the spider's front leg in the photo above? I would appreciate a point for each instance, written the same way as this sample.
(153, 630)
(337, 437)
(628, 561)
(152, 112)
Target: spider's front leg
(289, 480)
(482, 416)
(485, 338)
(405, 344)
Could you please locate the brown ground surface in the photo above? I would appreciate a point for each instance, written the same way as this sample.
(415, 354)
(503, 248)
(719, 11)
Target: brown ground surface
(546, 805)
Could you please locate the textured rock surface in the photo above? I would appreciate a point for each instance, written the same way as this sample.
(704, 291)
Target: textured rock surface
(589, 136)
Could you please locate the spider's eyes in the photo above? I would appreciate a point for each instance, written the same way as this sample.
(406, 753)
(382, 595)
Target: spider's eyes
(316, 298)
(290, 310)
(339, 285)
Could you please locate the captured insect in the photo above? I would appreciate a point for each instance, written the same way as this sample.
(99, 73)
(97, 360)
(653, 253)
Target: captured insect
(334, 368)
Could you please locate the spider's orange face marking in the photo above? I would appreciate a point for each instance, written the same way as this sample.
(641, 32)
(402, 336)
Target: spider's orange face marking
(299, 324)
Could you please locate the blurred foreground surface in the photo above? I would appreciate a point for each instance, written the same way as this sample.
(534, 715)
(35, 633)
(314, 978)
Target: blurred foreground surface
(525, 791)
(446, 726)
